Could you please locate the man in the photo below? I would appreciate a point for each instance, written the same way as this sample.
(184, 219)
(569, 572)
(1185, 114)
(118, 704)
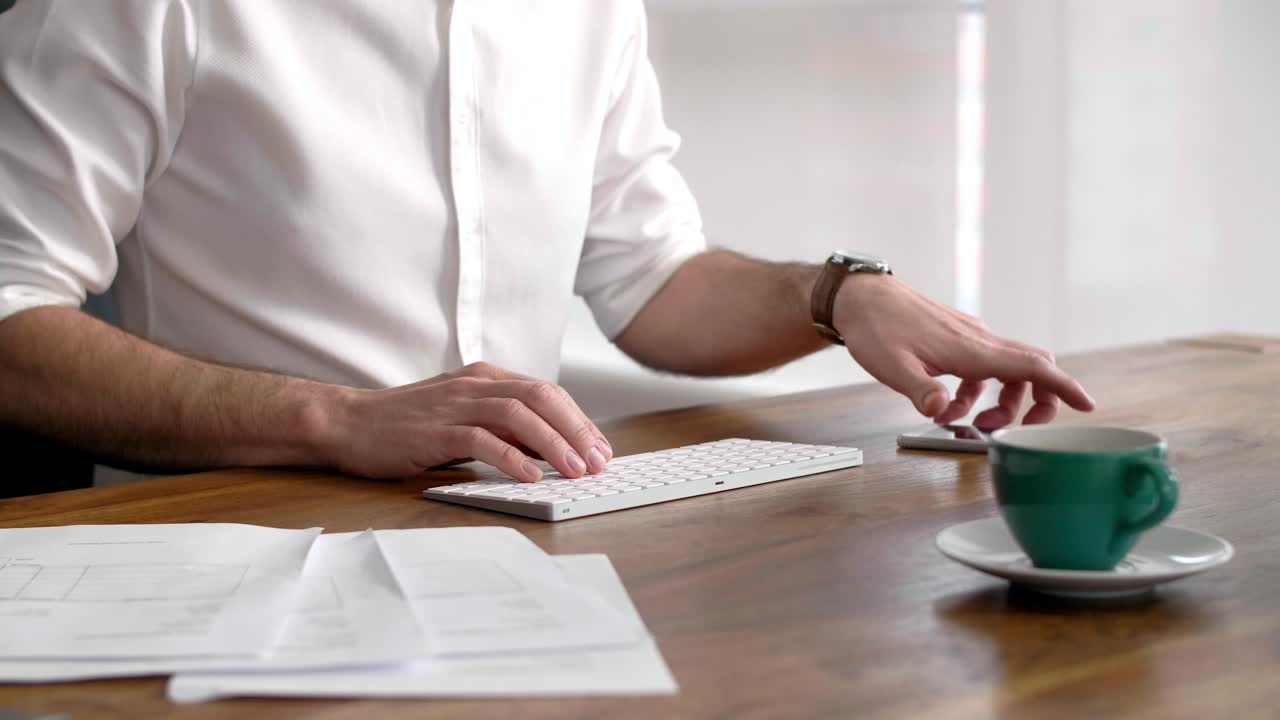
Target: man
(389, 206)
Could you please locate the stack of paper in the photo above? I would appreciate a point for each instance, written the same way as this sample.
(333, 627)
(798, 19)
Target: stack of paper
(244, 610)
(633, 669)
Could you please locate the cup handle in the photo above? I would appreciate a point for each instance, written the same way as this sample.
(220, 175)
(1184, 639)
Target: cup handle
(1155, 472)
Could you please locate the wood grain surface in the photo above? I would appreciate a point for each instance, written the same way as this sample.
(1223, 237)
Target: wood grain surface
(824, 596)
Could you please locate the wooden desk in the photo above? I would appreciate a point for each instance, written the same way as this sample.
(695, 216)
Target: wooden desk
(824, 596)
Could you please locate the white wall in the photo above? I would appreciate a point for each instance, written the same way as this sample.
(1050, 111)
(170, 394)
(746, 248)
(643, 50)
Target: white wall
(1248, 194)
(1133, 169)
(808, 126)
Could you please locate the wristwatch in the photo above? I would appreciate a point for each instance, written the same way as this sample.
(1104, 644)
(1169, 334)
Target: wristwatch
(834, 271)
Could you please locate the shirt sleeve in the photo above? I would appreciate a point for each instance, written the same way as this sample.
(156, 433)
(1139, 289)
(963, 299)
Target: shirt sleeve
(644, 222)
(92, 96)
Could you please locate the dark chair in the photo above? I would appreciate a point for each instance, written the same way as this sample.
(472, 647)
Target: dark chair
(36, 465)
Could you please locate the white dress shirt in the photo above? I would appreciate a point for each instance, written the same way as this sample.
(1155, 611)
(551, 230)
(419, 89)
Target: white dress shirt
(369, 193)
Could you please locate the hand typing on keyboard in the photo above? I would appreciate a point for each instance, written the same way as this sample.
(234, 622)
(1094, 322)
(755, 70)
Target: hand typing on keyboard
(481, 411)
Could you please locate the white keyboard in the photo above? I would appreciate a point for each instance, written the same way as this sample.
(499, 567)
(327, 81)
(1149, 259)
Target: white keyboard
(654, 477)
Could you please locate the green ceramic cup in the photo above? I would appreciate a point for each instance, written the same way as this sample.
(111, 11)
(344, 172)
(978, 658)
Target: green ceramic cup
(1077, 498)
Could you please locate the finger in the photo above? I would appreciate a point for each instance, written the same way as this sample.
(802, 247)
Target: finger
(536, 394)
(966, 395)
(503, 415)
(486, 447)
(506, 437)
(1045, 408)
(1011, 363)
(1006, 409)
(554, 405)
(905, 373)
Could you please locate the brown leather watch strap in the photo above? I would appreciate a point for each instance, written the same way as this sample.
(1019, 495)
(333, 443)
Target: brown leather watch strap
(823, 300)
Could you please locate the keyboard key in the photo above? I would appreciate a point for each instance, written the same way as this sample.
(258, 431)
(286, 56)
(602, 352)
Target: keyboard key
(463, 490)
(553, 500)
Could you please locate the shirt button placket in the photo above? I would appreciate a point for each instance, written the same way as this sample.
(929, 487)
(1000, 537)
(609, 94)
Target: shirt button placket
(466, 184)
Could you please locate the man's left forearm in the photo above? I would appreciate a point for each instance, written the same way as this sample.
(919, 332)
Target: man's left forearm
(725, 314)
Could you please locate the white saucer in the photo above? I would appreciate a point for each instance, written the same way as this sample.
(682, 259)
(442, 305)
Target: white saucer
(1161, 555)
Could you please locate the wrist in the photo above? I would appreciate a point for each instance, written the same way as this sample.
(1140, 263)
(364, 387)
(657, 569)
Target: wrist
(857, 296)
(322, 421)
(804, 278)
(830, 311)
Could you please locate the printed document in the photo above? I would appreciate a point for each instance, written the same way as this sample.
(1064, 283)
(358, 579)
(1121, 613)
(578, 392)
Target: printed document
(130, 591)
(490, 589)
(636, 669)
(349, 611)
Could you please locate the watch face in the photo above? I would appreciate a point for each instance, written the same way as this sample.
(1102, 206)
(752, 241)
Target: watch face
(860, 261)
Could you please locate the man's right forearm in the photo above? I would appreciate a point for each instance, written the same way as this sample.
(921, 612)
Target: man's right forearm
(68, 376)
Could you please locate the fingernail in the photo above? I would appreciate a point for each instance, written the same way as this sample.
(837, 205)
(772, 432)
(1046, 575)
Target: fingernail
(574, 461)
(605, 450)
(596, 460)
(532, 472)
